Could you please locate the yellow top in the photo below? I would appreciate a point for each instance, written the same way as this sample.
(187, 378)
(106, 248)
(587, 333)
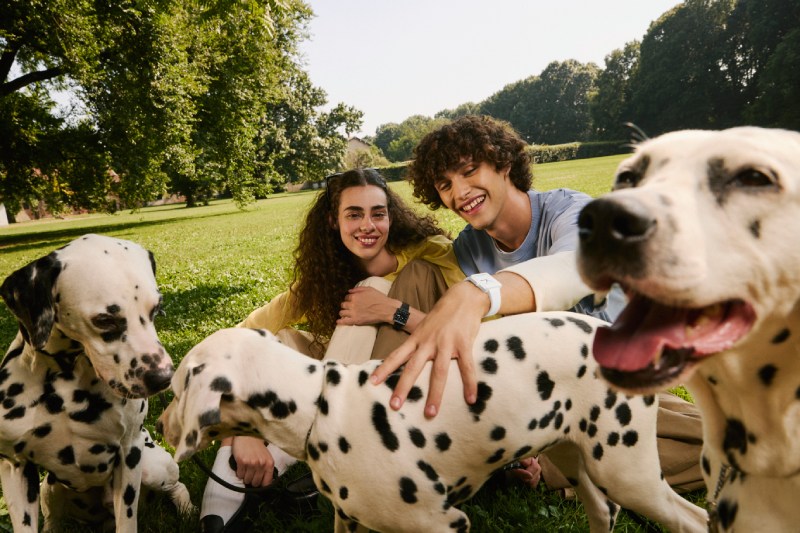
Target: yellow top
(282, 312)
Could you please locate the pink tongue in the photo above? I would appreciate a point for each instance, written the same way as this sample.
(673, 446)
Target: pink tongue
(645, 328)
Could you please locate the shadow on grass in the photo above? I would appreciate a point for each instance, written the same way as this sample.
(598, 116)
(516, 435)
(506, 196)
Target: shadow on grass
(56, 238)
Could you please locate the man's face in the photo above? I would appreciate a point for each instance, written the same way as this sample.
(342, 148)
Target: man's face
(476, 192)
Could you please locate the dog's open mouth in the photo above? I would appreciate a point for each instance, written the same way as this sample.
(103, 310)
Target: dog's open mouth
(652, 345)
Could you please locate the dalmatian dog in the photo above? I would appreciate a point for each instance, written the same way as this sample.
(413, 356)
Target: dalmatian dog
(74, 386)
(399, 471)
(701, 231)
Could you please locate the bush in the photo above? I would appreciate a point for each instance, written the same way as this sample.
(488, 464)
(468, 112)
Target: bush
(544, 153)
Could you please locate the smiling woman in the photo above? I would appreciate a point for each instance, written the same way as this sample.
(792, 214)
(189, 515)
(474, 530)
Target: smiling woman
(367, 270)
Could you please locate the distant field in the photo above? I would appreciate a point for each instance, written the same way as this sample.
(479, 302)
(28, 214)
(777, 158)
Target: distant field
(216, 264)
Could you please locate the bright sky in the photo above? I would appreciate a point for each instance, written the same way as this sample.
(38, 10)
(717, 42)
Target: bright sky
(396, 58)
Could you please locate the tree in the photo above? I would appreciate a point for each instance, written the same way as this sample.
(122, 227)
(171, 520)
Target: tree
(397, 141)
(680, 82)
(610, 100)
(178, 95)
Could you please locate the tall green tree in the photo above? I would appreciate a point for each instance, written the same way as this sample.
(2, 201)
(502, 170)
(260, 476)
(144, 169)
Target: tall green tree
(609, 103)
(679, 82)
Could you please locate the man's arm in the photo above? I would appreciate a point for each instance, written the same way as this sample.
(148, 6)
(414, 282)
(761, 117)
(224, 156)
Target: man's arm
(448, 332)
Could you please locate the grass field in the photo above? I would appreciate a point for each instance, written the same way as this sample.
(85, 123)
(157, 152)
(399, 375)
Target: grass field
(215, 265)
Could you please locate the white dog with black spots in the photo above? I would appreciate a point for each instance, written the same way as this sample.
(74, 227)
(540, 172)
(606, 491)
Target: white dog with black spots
(74, 386)
(400, 471)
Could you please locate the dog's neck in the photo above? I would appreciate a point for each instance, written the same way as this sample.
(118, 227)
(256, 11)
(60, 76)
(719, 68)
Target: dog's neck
(60, 352)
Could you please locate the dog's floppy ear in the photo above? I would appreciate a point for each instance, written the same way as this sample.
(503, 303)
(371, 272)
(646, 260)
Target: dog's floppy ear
(28, 292)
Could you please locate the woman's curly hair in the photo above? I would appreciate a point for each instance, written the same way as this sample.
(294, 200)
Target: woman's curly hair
(324, 268)
(477, 138)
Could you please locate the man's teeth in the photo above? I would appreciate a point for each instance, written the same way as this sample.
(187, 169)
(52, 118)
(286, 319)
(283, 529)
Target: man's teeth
(470, 206)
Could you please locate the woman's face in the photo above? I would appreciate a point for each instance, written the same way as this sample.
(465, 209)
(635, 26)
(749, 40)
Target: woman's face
(363, 221)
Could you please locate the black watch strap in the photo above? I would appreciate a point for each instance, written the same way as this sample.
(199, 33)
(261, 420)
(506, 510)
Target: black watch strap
(400, 318)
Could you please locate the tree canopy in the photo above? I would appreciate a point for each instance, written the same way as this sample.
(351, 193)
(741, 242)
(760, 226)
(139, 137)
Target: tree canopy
(183, 97)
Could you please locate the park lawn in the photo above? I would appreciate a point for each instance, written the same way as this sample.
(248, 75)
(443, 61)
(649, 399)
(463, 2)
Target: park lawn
(217, 263)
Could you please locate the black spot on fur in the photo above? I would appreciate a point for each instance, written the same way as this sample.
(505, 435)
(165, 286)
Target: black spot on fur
(344, 445)
(706, 465)
(380, 421)
(191, 438)
(613, 438)
(649, 399)
(42, 431)
(544, 385)
(498, 433)
(491, 346)
(31, 474)
(66, 455)
(777, 339)
(735, 436)
(221, 384)
(133, 457)
(766, 374)
(443, 442)
(594, 413)
(484, 394)
(585, 351)
(96, 405)
(555, 322)
(417, 437)
(514, 345)
(333, 377)
(209, 418)
(611, 399)
(623, 413)
(489, 365)
(129, 495)
(581, 371)
(14, 414)
(568, 404)
(363, 376)
(630, 438)
(414, 394)
(726, 510)
(496, 456)
(597, 452)
(322, 403)
(429, 471)
(755, 228)
(582, 325)
(313, 452)
(408, 490)
(343, 493)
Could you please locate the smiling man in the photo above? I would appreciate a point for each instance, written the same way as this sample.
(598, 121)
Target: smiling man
(518, 251)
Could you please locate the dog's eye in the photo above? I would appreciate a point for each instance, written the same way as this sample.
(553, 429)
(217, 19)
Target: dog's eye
(754, 178)
(106, 322)
(156, 311)
(627, 179)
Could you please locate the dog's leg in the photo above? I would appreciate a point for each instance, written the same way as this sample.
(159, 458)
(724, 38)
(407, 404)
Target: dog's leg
(601, 512)
(21, 492)
(160, 472)
(126, 486)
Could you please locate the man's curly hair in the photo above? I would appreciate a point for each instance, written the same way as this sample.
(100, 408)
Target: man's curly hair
(325, 269)
(481, 139)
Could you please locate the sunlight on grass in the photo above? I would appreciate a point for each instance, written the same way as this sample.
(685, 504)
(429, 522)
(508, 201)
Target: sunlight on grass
(217, 263)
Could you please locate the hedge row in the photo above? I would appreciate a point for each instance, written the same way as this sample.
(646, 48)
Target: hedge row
(544, 153)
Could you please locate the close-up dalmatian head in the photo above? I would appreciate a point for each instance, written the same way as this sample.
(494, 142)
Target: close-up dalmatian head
(97, 294)
(700, 230)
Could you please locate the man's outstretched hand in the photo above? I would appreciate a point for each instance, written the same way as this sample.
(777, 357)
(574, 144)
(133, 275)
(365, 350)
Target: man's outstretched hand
(446, 333)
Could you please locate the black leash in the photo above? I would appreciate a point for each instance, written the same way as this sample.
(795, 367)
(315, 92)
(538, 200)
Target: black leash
(202, 466)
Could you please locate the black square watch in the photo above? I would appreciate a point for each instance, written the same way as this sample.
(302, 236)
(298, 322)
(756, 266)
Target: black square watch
(400, 317)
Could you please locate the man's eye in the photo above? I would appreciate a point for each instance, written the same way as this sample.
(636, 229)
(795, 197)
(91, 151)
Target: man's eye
(442, 185)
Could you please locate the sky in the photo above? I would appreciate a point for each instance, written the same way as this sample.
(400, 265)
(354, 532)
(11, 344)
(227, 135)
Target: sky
(395, 58)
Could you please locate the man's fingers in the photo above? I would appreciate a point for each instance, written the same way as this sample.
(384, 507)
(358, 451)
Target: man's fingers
(439, 371)
(407, 379)
(395, 360)
(466, 365)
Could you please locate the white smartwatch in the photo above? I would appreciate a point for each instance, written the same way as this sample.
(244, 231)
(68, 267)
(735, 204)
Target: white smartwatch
(490, 286)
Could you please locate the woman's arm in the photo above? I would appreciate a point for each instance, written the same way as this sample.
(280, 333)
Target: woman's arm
(366, 305)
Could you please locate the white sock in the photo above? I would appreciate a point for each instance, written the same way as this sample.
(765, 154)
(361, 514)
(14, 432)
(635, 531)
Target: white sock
(282, 459)
(217, 500)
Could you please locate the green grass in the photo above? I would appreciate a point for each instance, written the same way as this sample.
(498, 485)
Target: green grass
(216, 264)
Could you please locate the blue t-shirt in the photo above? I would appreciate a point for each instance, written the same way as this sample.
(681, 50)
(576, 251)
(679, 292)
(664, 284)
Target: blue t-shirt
(554, 229)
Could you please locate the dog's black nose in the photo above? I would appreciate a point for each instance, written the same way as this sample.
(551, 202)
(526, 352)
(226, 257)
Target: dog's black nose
(608, 222)
(157, 380)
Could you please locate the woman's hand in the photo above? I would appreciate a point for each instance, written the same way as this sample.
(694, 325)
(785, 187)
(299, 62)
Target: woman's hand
(366, 305)
(254, 463)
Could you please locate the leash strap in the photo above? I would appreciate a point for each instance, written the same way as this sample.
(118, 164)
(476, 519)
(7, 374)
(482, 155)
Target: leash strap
(713, 514)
